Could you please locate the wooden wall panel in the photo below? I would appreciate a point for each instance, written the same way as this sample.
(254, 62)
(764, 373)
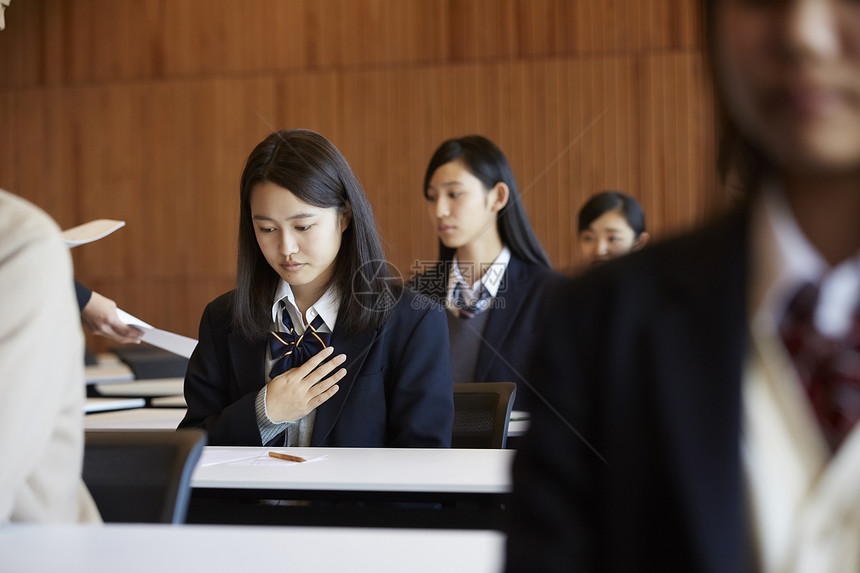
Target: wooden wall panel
(85, 41)
(146, 110)
(677, 158)
(108, 40)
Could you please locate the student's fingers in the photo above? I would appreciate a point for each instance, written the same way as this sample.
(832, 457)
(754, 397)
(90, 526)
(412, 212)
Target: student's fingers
(328, 392)
(290, 398)
(325, 369)
(313, 362)
(122, 332)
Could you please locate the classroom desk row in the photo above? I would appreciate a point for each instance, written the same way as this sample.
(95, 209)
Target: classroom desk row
(404, 487)
(359, 486)
(167, 411)
(411, 471)
(158, 548)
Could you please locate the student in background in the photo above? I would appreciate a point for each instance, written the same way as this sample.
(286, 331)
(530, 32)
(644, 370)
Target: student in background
(492, 271)
(317, 345)
(708, 388)
(610, 224)
(41, 373)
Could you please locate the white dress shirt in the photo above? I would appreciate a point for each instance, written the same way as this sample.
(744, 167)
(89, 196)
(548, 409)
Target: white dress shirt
(491, 278)
(297, 432)
(804, 503)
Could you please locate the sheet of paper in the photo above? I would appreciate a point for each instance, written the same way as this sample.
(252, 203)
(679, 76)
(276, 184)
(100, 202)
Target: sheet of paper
(215, 456)
(92, 231)
(175, 343)
(265, 459)
(242, 457)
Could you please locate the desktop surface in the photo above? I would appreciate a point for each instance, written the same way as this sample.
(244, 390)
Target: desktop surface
(135, 548)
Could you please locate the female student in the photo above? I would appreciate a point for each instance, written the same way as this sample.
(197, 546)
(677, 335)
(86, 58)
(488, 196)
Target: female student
(316, 346)
(610, 224)
(714, 380)
(492, 269)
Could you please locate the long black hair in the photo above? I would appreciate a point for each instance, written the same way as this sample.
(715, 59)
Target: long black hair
(311, 167)
(606, 201)
(486, 162)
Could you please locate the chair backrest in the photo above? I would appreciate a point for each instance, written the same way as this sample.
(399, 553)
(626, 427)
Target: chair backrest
(481, 414)
(142, 476)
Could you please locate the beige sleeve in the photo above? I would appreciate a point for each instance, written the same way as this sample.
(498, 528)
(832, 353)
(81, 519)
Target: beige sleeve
(41, 372)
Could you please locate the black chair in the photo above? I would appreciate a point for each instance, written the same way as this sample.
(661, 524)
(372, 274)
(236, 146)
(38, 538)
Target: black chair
(142, 476)
(481, 414)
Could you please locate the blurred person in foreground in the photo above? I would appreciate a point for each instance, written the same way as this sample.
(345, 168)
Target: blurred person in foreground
(707, 393)
(41, 373)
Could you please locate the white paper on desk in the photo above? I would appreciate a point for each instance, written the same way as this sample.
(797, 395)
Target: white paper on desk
(92, 231)
(242, 457)
(215, 456)
(175, 343)
(265, 459)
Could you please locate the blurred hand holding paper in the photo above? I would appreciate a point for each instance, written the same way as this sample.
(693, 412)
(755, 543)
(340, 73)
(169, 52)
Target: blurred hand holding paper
(92, 231)
(176, 343)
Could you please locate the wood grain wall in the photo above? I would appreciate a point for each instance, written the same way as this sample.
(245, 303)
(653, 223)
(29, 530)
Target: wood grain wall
(145, 110)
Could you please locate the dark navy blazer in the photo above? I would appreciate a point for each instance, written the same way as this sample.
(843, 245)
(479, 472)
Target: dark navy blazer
(639, 467)
(397, 390)
(510, 335)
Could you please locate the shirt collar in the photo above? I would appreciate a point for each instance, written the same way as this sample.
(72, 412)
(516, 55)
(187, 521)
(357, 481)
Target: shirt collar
(327, 307)
(491, 279)
(783, 260)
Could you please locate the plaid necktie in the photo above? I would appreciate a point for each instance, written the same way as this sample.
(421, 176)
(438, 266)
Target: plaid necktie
(469, 303)
(829, 369)
(289, 349)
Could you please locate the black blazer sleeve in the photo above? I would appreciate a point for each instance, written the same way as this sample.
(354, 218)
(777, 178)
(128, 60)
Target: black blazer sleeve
(218, 401)
(637, 465)
(84, 294)
(421, 404)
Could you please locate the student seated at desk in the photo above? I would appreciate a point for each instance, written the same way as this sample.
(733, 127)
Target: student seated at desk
(491, 271)
(317, 345)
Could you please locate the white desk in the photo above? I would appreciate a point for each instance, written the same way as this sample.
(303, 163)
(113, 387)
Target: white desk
(108, 404)
(358, 469)
(147, 388)
(169, 402)
(139, 419)
(393, 487)
(165, 548)
(108, 373)
(519, 424)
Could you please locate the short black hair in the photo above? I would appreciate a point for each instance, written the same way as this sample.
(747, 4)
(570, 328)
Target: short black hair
(606, 201)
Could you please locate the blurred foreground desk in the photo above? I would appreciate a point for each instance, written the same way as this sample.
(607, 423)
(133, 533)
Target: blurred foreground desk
(403, 487)
(138, 419)
(148, 388)
(160, 548)
(109, 404)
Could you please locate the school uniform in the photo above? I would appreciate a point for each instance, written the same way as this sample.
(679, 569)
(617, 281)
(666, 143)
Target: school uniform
(672, 447)
(508, 331)
(397, 391)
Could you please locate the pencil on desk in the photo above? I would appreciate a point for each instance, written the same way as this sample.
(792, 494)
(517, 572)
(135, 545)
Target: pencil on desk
(287, 457)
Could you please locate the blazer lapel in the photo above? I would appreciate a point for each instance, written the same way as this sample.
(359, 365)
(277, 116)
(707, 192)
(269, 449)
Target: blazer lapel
(501, 318)
(356, 349)
(699, 349)
(247, 359)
